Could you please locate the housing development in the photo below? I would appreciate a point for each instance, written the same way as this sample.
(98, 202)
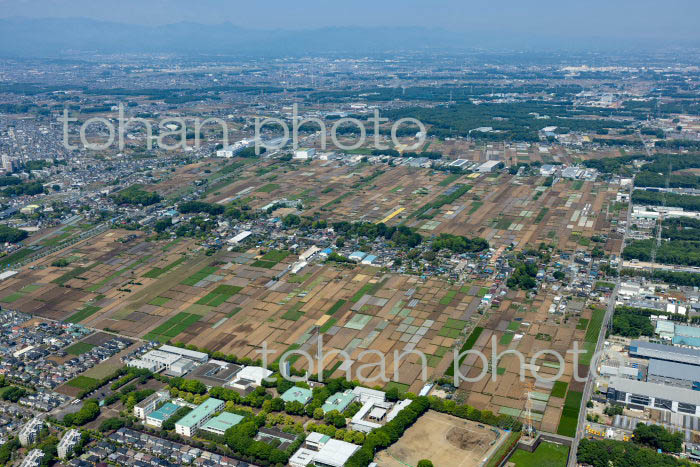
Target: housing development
(395, 259)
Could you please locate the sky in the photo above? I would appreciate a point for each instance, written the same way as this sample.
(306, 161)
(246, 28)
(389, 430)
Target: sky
(644, 19)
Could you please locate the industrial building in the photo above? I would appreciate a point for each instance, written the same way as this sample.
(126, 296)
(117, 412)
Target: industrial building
(686, 335)
(173, 364)
(489, 166)
(643, 349)
(614, 368)
(173, 360)
(674, 374)
(304, 153)
(199, 357)
(68, 443)
(190, 423)
(644, 394)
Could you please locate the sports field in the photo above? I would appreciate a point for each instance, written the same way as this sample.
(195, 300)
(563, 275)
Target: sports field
(546, 455)
(445, 440)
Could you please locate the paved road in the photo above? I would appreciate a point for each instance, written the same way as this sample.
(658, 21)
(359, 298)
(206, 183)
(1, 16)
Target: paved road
(588, 389)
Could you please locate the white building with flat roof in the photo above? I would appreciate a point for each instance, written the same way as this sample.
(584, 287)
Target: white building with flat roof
(144, 365)
(304, 153)
(323, 451)
(190, 423)
(200, 357)
(335, 453)
(488, 166)
(250, 375)
(366, 394)
(160, 360)
(240, 237)
(149, 404)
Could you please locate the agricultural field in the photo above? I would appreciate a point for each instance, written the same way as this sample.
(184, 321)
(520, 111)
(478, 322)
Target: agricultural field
(79, 348)
(234, 301)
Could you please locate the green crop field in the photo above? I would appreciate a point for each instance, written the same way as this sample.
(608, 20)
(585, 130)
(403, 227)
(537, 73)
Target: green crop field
(475, 207)
(559, 389)
(514, 326)
(73, 273)
(293, 313)
(569, 416)
(16, 257)
(368, 288)
(173, 327)
(592, 333)
(275, 255)
(82, 382)
(543, 212)
(455, 323)
(447, 299)
(449, 179)
(327, 325)
(449, 332)
(85, 312)
(506, 338)
(468, 344)
(49, 242)
(13, 297)
(400, 386)
(156, 272)
(219, 295)
(79, 348)
(199, 275)
(270, 187)
(336, 306)
(159, 301)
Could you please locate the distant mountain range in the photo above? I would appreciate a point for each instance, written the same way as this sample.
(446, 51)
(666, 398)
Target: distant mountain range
(23, 37)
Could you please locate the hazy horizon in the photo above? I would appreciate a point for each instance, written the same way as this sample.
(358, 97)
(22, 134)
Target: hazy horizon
(623, 19)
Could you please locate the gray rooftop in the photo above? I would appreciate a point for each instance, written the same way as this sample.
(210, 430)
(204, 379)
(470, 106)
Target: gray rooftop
(666, 352)
(660, 391)
(674, 370)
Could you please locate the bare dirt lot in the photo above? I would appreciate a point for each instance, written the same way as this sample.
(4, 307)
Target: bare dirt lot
(445, 440)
